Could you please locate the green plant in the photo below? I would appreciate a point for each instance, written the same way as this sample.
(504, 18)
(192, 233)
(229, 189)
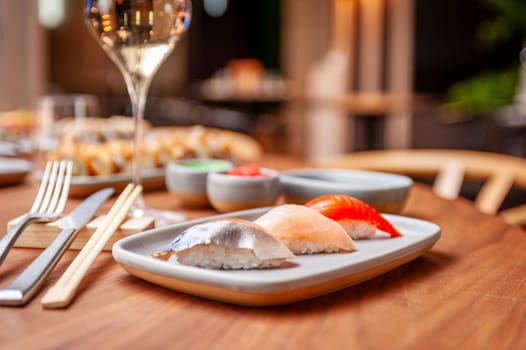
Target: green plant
(481, 94)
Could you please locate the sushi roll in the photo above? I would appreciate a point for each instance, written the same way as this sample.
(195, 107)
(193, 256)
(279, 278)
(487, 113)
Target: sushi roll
(227, 244)
(357, 218)
(305, 231)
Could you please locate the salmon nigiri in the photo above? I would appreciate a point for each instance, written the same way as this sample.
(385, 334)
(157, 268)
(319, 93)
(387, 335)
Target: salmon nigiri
(358, 218)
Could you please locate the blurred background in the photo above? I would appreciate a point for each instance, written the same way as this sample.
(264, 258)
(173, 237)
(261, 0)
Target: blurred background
(306, 77)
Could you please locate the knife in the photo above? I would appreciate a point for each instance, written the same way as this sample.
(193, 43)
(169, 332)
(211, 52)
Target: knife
(24, 287)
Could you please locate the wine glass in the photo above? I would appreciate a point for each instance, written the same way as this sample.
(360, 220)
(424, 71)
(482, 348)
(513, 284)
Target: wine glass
(138, 35)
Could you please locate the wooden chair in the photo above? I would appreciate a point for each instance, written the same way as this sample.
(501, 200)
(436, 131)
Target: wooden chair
(449, 168)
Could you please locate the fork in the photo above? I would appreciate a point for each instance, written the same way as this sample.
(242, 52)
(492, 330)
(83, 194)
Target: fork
(48, 205)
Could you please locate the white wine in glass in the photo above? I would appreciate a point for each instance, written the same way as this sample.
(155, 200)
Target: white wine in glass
(138, 35)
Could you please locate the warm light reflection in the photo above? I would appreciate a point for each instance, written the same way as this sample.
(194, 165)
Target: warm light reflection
(123, 34)
(106, 23)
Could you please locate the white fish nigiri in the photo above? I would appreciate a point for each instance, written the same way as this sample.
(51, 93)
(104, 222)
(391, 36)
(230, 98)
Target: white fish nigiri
(305, 231)
(227, 244)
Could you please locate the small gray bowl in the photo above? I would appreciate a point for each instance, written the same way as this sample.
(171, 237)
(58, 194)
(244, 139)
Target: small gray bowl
(384, 191)
(186, 179)
(229, 193)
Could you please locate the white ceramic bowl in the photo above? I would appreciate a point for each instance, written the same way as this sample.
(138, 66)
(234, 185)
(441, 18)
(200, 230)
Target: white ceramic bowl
(384, 191)
(186, 179)
(229, 193)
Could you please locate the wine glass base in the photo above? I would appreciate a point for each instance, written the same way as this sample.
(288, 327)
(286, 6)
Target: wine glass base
(161, 217)
(165, 217)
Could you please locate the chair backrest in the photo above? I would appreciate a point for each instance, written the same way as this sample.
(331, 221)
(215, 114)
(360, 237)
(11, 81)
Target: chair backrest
(449, 168)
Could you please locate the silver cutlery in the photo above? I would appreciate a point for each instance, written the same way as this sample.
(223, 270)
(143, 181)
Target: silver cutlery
(48, 205)
(23, 288)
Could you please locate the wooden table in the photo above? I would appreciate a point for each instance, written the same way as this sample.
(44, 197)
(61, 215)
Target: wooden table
(468, 292)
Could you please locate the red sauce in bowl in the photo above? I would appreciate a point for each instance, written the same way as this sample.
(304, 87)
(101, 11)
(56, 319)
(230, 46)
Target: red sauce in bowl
(252, 169)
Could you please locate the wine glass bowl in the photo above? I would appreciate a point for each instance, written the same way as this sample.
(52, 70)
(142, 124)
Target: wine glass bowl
(138, 35)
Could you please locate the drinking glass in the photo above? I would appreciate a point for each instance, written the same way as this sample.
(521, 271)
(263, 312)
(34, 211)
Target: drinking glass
(59, 117)
(138, 35)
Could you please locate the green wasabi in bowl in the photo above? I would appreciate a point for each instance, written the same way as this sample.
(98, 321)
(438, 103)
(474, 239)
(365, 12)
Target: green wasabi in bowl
(206, 164)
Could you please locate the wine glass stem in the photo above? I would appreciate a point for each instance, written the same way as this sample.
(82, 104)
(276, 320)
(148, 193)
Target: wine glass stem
(138, 90)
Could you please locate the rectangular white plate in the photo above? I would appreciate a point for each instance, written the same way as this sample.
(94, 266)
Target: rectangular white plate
(305, 277)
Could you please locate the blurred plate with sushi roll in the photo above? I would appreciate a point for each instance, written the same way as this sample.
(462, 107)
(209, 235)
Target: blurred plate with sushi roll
(384, 191)
(13, 170)
(102, 151)
(293, 279)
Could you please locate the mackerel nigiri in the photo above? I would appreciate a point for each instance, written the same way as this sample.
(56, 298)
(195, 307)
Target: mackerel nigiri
(227, 244)
(357, 218)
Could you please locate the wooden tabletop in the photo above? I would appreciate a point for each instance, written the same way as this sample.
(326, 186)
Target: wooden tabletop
(467, 292)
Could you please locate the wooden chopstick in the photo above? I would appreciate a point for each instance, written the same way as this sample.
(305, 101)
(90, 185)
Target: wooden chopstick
(61, 294)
